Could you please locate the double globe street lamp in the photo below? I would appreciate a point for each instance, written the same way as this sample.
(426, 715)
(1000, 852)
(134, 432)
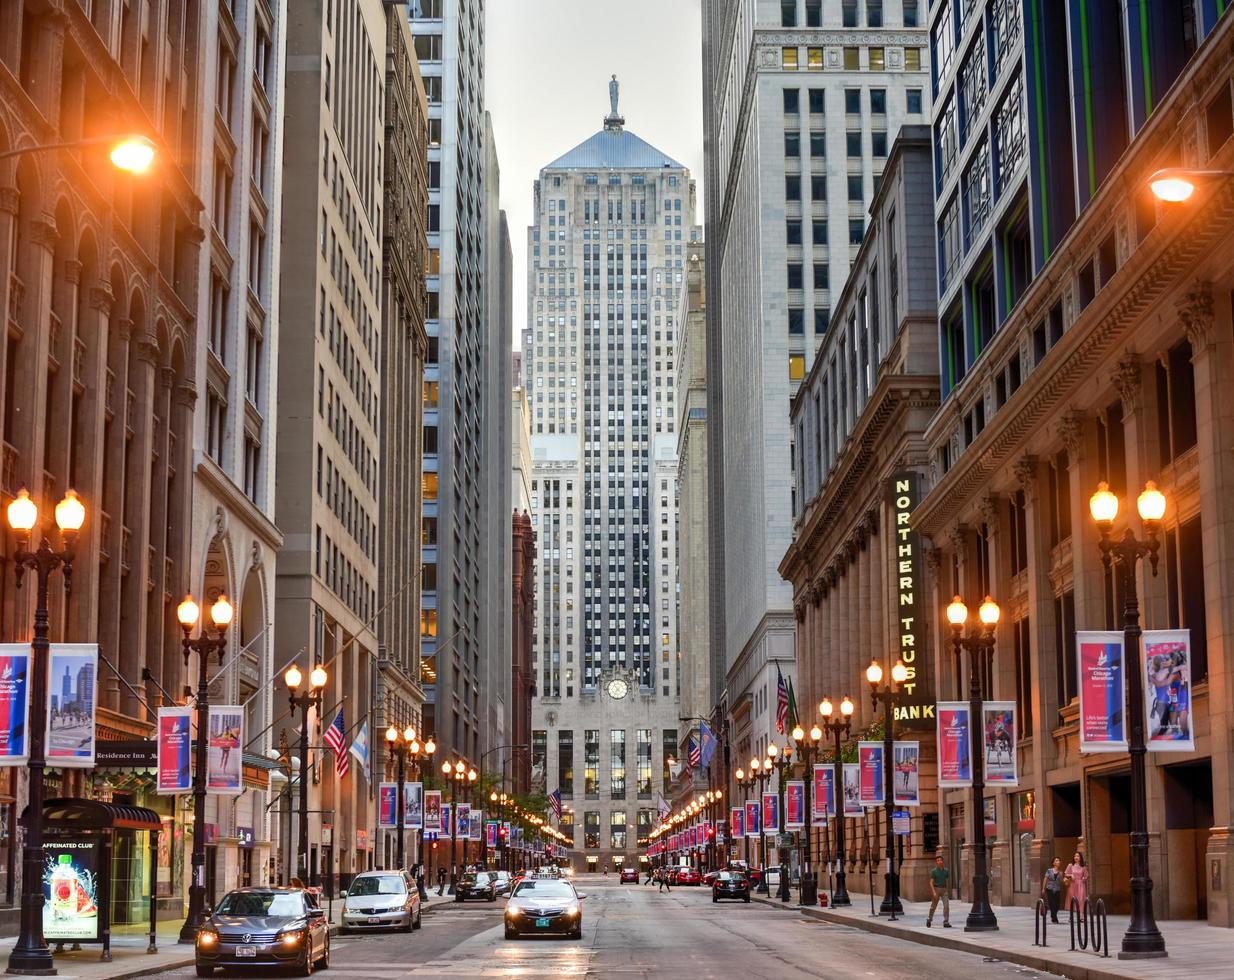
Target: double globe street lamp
(310, 697)
(404, 744)
(189, 615)
(458, 774)
(889, 695)
(31, 954)
(838, 726)
(761, 771)
(808, 751)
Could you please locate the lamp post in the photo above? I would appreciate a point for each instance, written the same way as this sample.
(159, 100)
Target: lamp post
(1174, 185)
(31, 954)
(1142, 940)
(838, 727)
(458, 774)
(780, 760)
(981, 916)
(493, 797)
(807, 751)
(745, 783)
(311, 697)
(188, 613)
(762, 773)
(888, 695)
(132, 152)
(404, 745)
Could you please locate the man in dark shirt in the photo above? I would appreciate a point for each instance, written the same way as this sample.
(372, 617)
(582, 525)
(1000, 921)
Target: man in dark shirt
(940, 875)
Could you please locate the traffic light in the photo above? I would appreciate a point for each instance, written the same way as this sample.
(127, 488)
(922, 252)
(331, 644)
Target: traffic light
(711, 831)
(434, 845)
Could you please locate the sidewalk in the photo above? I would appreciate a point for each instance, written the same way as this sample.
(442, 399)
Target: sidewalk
(1195, 948)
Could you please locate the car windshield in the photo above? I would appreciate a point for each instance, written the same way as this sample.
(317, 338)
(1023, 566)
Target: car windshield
(472, 878)
(377, 885)
(731, 876)
(544, 889)
(262, 904)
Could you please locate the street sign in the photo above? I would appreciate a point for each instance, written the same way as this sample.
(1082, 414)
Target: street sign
(900, 822)
(786, 840)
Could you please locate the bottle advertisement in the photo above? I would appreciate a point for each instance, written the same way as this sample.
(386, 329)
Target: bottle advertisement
(70, 890)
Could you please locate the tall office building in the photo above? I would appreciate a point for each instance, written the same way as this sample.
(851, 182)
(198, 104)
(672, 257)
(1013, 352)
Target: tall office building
(801, 101)
(462, 541)
(605, 260)
(330, 384)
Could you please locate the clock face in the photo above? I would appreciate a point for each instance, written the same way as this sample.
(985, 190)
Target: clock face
(617, 689)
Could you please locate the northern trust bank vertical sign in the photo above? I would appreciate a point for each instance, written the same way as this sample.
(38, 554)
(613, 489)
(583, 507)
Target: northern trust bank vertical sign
(916, 710)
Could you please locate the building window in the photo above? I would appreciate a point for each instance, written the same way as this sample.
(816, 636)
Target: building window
(788, 59)
(856, 230)
(878, 59)
(1025, 816)
(818, 231)
(792, 187)
(852, 101)
(792, 144)
(1176, 428)
(912, 101)
(852, 145)
(852, 59)
(591, 763)
(818, 187)
(539, 759)
(643, 751)
(792, 232)
(565, 763)
(1064, 648)
(796, 367)
(817, 102)
(792, 101)
(814, 59)
(849, 10)
(1060, 500)
(1019, 533)
(796, 321)
(788, 13)
(617, 763)
(818, 144)
(617, 829)
(591, 829)
(668, 752)
(794, 275)
(1023, 675)
(1184, 563)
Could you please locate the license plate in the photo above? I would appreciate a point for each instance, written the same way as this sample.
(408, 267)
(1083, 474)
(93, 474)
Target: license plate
(246, 950)
(541, 923)
(373, 920)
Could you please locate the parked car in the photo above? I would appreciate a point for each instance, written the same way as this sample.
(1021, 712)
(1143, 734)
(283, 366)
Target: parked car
(545, 906)
(688, 876)
(730, 884)
(709, 878)
(381, 900)
(264, 926)
(504, 881)
(629, 876)
(476, 884)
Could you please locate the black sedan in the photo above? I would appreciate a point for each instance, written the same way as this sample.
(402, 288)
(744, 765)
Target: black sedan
(544, 906)
(476, 884)
(730, 884)
(264, 927)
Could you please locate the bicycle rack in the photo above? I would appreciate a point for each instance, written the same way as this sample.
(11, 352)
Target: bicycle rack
(1040, 919)
(1101, 929)
(1074, 913)
(1093, 927)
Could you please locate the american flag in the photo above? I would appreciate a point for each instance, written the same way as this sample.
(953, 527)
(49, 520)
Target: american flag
(695, 757)
(554, 800)
(334, 738)
(781, 702)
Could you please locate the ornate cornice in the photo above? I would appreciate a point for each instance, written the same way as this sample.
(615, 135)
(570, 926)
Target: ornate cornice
(1196, 314)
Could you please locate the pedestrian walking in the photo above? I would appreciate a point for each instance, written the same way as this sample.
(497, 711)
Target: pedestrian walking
(651, 876)
(1075, 879)
(940, 876)
(441, 879)
(1052, 888)
(664, 886)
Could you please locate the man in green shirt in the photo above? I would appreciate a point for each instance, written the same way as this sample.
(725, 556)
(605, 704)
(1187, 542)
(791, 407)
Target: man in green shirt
(940, 874)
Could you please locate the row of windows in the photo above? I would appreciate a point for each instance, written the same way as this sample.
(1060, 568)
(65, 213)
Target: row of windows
(851, 60)
(850, 13)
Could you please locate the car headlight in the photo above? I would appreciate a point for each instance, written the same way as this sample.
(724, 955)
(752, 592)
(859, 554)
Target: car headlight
(573, 909)
(206, 937)
(513, 908)
(291, 937)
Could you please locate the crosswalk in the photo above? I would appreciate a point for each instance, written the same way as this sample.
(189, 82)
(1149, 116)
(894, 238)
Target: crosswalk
(529, 960)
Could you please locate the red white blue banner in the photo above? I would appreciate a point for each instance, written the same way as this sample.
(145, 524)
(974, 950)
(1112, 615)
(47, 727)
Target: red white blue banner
(955, 763)
(387, 806)
(870, 759)
(413, 805)
(753, 813)
(1103, 691)
(1167, 691)
(794, 805)
(906, 763)
(824, 801)
(432, 811)
(771, 813)
(737, 822)
(14, 704)
(999, 737)
(175, 740)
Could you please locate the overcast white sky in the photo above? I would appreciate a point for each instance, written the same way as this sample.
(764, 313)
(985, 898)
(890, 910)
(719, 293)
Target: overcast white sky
(548, 67)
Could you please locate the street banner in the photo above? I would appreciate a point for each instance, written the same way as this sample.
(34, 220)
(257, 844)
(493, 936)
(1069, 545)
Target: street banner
(852, 790)
(413, 806)
(14, 703)
(432, 811)
(490, 833)
(906, 759)
(72, 680)
(1167, 691)
(447, 827)
(873, 783)
(753, 812)
(794, 805)
(954, 759)
(71, 876)
(477, 824)
(998, 734)
(736, 822)
(824, 802)
(463, 821)
(387, 806)
(771, 813)
(1103, 691)
(225, 727)
(175, 740)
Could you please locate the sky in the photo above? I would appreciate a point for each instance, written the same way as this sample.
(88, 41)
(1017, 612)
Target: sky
(548, 65)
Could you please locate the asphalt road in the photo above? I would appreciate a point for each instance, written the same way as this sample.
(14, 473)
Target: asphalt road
(635, 931)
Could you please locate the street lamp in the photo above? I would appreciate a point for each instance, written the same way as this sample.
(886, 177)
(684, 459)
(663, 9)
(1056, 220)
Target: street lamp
(889, 695)
(457, 773)
(1174, 185)
(781, 759)
(1142, 939)
(400, 744)
(131, 152)
(839, 728)
(807, 751)
(746, 783)
(981, 916)
(31, 955)
(311, 697)
(189, 613)
(762, 773)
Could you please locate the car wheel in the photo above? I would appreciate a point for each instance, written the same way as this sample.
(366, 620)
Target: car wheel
(306, 968)
(419, 920)
(577, 933)
(511, 933)
(324, 962)
(408, 927)
(204, 971)
(458, 898)
(746, 899)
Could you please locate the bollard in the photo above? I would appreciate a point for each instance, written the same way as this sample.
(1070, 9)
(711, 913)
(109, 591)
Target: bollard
(1102, 921)
(1040, 921)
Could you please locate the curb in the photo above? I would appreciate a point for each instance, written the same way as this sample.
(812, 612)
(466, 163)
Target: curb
(1074, 971)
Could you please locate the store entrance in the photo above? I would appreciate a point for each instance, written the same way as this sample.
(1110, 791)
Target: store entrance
(1188, 821)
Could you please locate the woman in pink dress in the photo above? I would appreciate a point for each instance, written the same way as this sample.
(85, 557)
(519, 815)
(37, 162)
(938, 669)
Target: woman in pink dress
(1076, 876)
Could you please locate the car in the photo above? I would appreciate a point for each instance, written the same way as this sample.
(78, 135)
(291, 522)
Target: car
(504, 881)
(730, 884)
(688, 876)
(544, 906)
(476, 884)
(629, 875)
(709, 878)
(381, 900)
(264, 927)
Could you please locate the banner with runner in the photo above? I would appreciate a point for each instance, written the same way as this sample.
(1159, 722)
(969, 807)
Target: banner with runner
(998, 733)
(432, 811)
(906, 765)
(852, 790)
(1167, 691)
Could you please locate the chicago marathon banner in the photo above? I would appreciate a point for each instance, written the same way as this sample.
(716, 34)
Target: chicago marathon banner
(413, 805)
(736, 822)
(870, 759)
(998, 737)
(175, 741)
(852, 790)
(794, 805)
(72, 680)
(954, 759)
(753, 812)
(387, 805)
(824, 802)
(432, 811)
(906, 761)
(1103, 691)
(225, 727)
(14, 704)
(771, 813)
(1167, 691)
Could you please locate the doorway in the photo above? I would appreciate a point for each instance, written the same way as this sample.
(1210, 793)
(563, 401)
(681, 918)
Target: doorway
(956, 840)
(1188, 822)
